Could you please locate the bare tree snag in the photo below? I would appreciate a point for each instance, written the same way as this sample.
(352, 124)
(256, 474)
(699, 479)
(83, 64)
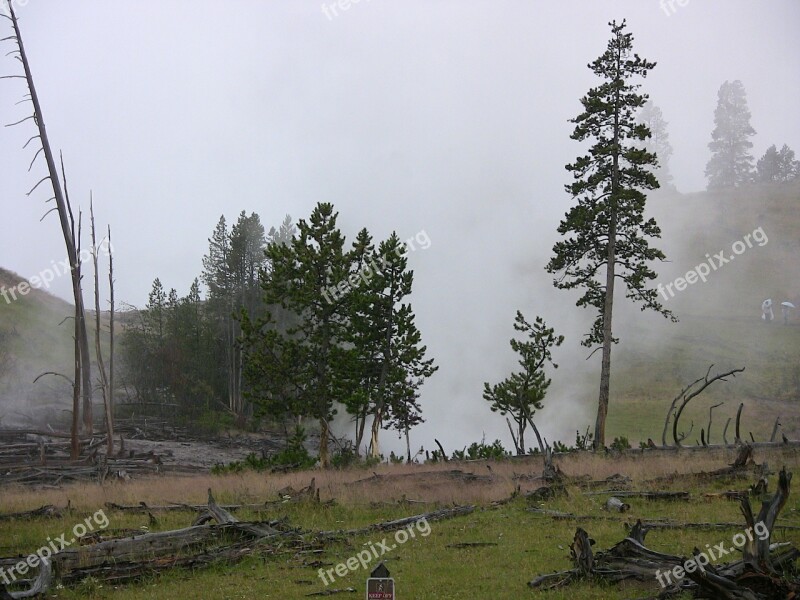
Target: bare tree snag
(725, 431)
(756, 551)
(686, 397)
(775, 429)
(670, 412)
(62, 207)
(98, 346)
(441, 449)
(551, 473)
(738, 439)
(581, 552)
(710, 414)
(111, 325)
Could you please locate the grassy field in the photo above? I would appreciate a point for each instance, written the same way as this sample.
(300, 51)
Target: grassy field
(524, 544)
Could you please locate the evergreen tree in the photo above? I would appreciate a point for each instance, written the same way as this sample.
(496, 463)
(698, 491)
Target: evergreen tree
(788, 167)
(395, 342)
(521, 394)
(606, 232)
(247, 245)
(767, 167)
(306, 365)
(658, 142)
(731, 164)
(230, 270)
(777, 166)
(405, 411)
(219, 281)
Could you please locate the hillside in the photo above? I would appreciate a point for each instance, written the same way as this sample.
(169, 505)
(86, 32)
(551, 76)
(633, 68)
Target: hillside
(35, 338)
(720, 319)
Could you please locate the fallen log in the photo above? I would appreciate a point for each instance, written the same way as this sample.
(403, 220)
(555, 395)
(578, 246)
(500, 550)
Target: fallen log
(460, 545)
(333, 592)
(47, 511)
(39, 585)
(685, 496)
(437, 515)
(757, 576)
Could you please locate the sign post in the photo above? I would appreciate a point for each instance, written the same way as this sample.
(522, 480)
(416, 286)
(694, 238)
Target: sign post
(379, 585)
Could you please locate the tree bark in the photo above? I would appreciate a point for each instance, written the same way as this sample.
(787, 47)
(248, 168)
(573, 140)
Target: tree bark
(324, 430)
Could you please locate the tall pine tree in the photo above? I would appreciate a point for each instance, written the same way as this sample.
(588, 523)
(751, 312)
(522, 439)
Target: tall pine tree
(731, 163)
(305, 366)
(606, 232)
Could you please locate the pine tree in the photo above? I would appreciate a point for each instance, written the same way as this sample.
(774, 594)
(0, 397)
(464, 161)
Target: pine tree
(521, 394)
(658, 142)
(788, 167)
(768, 166)
(606, 232)
(731, 163)
(305, 366)
(777, 166)
(390, 357)
(247, 244)
(218, 279)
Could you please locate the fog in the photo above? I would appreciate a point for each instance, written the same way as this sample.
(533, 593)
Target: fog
(444, 116)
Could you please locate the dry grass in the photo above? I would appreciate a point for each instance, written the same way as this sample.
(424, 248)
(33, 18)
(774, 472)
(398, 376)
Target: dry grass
(357, 486)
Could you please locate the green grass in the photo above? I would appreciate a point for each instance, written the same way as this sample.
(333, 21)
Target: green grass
(527, 545)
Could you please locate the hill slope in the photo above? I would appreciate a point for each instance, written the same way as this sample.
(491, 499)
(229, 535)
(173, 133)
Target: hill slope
(758, 230)
(35, 338)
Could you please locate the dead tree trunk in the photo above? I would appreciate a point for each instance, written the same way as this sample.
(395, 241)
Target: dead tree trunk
(62, 207)
(111, 326)
(775, 429)
(687, 397)
(98, 347)
(738, 439)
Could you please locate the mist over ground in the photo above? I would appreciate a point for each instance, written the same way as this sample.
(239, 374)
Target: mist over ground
(448, 117)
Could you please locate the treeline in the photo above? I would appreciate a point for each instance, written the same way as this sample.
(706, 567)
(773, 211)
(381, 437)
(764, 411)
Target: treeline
(295, 324)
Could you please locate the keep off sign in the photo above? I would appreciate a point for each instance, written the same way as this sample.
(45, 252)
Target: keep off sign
(380, 588)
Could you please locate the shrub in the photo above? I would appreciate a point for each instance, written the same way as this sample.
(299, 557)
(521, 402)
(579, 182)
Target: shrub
(620, 443)
(295, 456)
(344, 457)
(481, 450)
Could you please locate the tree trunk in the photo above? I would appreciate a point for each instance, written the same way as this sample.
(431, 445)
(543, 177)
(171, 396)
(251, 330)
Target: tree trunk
(374, 448)
(387, 356)
(605, 369)
(64, 214)
(608, 307)
(361, 421)
(111, 324)
(75, 447)
(98, 348)
(324, 459)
